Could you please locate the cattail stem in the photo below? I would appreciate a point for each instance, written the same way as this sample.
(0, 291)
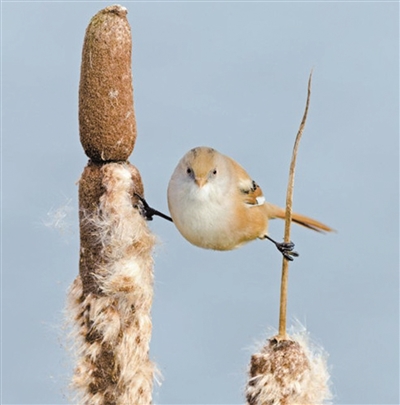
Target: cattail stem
(288, 219)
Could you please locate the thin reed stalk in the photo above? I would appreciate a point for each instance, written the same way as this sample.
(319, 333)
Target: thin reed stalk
(288, 370)
(288, 220)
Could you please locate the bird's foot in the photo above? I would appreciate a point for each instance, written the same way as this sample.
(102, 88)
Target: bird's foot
(286, 248)
(147, 212)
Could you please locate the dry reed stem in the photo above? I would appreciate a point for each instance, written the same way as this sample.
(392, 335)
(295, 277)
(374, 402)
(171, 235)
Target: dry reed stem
(109, 302)
(288, 371)
(288, 220)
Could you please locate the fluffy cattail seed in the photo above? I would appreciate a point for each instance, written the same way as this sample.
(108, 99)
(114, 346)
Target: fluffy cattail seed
(288, 372)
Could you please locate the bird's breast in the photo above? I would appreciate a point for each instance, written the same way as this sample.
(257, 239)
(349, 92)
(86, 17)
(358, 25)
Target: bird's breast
(203, 216)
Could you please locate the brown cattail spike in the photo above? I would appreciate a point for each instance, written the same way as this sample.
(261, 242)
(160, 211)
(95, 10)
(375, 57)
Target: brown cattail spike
(107, 123)
(109, 302)
(91, 192)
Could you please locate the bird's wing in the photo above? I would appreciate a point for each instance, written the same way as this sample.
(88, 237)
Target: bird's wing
(252, 194)
(249, 190)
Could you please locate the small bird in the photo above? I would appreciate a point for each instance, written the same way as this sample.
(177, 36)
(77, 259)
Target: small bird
(216, 205)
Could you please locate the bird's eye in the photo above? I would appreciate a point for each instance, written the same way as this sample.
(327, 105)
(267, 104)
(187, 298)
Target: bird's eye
(189, 170)
(214, 172)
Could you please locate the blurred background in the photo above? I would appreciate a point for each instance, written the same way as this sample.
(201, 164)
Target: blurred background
(230, 75)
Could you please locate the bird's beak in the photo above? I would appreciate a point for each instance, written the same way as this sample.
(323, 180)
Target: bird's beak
(200, 181)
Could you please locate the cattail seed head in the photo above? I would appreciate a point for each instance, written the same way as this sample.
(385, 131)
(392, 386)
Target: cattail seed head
(107, 123)
(288, 372)
(110, 316)
(109, 302)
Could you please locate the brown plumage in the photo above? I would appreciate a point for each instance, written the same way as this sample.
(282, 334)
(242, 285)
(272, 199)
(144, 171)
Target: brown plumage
(216, 205)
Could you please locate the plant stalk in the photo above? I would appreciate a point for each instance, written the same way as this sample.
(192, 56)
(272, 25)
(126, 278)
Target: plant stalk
(288, 220)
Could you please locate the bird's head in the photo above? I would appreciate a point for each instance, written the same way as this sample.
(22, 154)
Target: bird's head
(201, 165)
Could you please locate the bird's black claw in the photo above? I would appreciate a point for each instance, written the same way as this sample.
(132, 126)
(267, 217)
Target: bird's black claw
(286, 248)
(147, 212)
(289, 255)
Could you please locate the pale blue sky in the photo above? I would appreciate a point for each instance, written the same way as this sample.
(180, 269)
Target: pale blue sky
(232, 76)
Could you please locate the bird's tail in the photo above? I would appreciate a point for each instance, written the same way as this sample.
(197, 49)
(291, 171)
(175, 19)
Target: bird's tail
(277, 212)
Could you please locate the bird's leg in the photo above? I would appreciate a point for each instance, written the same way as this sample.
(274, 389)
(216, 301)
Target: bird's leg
(286, 248)
(149, 212)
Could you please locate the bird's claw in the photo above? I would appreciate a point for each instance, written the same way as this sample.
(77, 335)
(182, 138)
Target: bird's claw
(148, 212)
(286, 248)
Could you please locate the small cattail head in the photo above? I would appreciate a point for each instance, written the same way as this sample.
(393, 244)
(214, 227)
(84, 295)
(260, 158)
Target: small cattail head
(287, 372)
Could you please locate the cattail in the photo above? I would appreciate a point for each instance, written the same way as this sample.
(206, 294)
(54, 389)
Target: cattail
(109, 302)
(287, 371)
(107, 123)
